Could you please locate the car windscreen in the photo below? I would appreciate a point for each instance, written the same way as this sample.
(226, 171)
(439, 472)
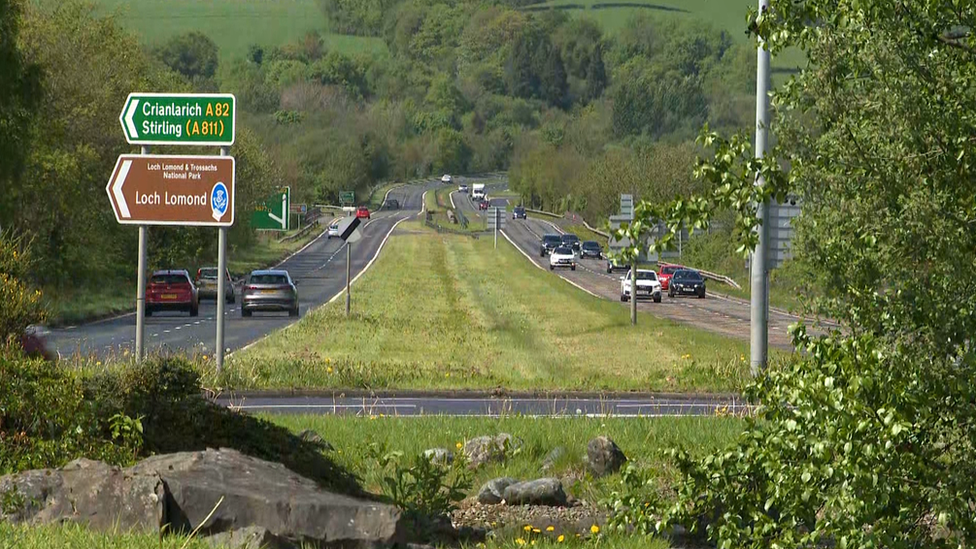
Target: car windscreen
(551, 239)
(268, 279)
(208, 273)
(590, 245)
(646, 275)
(569, 238)
(519, 209)
(169, 279)
(563, 250)
(668, 270)
(690, 276)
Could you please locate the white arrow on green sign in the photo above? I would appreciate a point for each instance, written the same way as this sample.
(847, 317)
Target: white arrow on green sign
(179, 119)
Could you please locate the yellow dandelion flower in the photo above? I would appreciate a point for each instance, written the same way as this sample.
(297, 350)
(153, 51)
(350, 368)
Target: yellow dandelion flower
(537, 531)
(551, 529)
(527, 528)
(533, 542)
(595, 529)
(329, 369)
(520, 541)
(448, 374)
(98, 363)
(205, 357)
(459, 445)
(561, 538)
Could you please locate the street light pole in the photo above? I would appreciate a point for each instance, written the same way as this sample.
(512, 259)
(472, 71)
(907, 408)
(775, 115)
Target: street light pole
(759, 303)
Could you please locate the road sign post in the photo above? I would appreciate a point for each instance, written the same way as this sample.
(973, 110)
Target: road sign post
(273, 215)
(179, 119)
(221, 283)
(349, 232)
(141, 291)
(759, 275)
(496, 221)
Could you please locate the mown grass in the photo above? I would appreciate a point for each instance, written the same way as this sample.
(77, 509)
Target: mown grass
(234, 25)
(446, 311)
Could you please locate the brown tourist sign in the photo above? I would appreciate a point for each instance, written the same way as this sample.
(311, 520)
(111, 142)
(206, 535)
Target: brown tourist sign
(173, 190)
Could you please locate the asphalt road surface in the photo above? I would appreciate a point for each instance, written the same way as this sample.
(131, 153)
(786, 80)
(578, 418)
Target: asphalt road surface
(319, 269)
(646, 406)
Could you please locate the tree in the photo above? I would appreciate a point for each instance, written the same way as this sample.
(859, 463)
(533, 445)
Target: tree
(869, 438)
(194, 55)
(19, 96)
(596, 76)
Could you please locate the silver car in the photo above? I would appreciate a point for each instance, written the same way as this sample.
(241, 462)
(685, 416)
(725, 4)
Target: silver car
(270, 290)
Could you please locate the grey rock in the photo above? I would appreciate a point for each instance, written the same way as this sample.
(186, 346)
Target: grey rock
(486, 449)
(604, 456)
(439, 456)
(86, 492)
(552, 457)
(309, 435)
(267, 495)
(543, 491)
(252, 537)
(493, 491)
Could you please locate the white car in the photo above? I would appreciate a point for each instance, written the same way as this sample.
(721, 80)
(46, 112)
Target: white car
(648, 286)
(446, 179)
(562, 256)
(334, 229)
(462, 188)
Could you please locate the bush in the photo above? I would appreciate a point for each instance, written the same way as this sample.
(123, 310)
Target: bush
(22, 304)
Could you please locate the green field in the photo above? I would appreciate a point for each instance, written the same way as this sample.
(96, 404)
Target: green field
(449, 312)
(233, 24)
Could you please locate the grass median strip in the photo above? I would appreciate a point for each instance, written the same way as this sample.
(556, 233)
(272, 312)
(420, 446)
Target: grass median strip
(449, 312)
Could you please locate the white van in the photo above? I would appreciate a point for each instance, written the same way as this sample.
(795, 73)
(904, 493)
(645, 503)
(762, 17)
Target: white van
(478, 191)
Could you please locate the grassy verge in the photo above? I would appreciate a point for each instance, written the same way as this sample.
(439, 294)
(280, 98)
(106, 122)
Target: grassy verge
(73, 536)
(376, 199)
(471, 317)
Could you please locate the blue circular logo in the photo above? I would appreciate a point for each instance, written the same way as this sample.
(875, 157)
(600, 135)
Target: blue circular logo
(219, 201)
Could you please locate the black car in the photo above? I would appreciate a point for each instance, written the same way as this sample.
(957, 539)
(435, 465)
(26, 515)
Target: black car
(549, 243)
(686, 282)
(591, 248)
(391, 204)
(518, 213)
(571, 240)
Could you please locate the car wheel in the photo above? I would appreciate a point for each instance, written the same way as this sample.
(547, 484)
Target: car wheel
(609, 269)
(195, 309)
(148, 311)
(623, 297)
(670, 294)
(293, 312)
(657, 298)
(701, 295)
(573, 268)
(551, 268)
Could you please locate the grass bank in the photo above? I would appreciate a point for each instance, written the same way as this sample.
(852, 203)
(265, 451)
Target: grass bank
(449, 312)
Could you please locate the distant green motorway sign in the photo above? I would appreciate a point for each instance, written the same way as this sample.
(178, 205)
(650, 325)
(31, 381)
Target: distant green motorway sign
(179, 119)
(347, 197)
(273, 214)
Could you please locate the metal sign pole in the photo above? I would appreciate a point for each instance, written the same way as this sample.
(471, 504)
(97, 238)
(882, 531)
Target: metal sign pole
(221, 285)
(496, 228)
(348, 272)
(141, 290)
(759, 306)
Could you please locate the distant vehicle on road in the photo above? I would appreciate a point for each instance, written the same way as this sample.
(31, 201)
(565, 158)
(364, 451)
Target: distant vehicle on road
(333, 229)
(614, 264)
(518, 212)
(172, 290)
(447, 179)
(34, 343)
(462, 188)
(390, 204)
(483, 205)
(665, 276)
(685, 282)
(477, 191)
(269, 290)
(571, 240)
(206, 283)
(562, 256)
(591, 248)
(549, 243)
(362, 212)
(648, 286)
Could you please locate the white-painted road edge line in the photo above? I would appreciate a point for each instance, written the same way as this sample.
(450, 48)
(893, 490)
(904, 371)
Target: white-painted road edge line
(527, 256)
(451, 196)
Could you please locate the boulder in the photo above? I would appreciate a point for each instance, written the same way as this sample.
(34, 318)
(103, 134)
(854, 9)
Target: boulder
(252, 537)
(543, 491)
(439, 456)
(604, 456)
(493, 491)
(552, 457)
(486, 449)
(87, 492)
(254, 492)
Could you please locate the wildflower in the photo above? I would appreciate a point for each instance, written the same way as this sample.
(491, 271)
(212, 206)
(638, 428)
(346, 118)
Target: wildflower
(527, 528)
(520, 541)
(458, 445)
(551, 529)
(99, 363)
(448, 374)
(537, 531)
(205, 357)
(329, 369)
(561, 538)
(594, 529)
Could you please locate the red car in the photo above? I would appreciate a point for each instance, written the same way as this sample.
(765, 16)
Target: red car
(362, 212)
(665, 275)
(172, 291)
(35, 345)
(483, 205)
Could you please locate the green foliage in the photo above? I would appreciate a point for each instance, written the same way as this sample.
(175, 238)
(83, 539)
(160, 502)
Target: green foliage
(360, 17)
(632, 505)
(22, 305)
(421, 488)
(18, 96)
(194, 55)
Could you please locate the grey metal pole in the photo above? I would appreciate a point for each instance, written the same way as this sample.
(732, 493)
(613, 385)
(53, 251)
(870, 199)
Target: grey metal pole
(348, 274)
(496, 228)
(633, 293)
(759, 314)
(221, 286)
(141, 289)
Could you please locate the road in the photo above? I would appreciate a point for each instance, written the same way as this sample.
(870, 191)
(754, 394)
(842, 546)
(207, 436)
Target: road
(319, 268)
(718, 314)
(486, 406)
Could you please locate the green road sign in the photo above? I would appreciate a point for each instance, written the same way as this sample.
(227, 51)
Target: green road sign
(273, 214)
(347, 197)
(179, 119)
